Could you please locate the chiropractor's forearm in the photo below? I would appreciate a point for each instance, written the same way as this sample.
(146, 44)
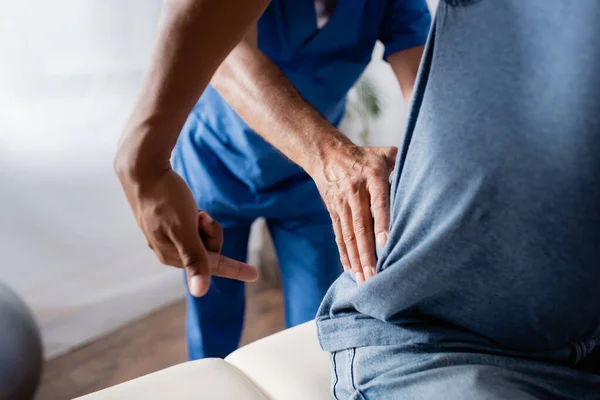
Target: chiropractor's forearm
(194, 37)
(270, 104)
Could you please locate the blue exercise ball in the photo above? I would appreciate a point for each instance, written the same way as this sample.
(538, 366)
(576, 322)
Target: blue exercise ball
(21, 352)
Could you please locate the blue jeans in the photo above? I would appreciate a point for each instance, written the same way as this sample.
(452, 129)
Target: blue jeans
(461, 371)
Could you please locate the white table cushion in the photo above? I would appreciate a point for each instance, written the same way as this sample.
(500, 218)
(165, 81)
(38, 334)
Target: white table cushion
(286, 366)
(289, 365)
(208, 379)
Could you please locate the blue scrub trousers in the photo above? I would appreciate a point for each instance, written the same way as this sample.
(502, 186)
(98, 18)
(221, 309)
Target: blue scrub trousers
(308, 267)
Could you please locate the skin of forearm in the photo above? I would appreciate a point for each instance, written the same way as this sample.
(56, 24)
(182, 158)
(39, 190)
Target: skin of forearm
(405, 65)
(193, 39)
(270, 104)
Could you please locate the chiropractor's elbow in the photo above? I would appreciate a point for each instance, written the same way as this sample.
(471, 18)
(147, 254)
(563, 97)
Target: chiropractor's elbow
(230, 74)
(223, 77)
(127, 162)
(123, 163)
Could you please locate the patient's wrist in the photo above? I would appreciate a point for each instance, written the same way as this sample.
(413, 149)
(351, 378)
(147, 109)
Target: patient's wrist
(328, 153)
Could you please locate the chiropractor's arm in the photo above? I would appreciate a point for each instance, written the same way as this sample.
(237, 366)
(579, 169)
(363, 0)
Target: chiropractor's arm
(352, 180)
(405, 64)
(194, 38)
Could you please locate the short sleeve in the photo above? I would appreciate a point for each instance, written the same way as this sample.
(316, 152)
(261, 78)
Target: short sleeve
(405, 24)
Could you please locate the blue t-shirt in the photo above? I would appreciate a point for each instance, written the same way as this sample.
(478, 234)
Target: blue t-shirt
(322, 64)
(495, 223)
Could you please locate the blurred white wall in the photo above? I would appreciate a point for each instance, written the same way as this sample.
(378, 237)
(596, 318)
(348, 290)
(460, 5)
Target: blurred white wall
(69, 71)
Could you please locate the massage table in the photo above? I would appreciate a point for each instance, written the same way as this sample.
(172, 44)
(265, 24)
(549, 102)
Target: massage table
(289, 365)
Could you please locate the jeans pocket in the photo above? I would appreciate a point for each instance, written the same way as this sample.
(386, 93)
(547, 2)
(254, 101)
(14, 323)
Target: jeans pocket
(334, 374)
(350, 354)
(343, 380)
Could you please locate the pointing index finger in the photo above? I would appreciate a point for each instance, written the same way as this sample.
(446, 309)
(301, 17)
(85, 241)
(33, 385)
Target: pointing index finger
(228, 268)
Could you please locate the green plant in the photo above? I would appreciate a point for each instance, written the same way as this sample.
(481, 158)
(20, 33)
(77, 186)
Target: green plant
(364, 106)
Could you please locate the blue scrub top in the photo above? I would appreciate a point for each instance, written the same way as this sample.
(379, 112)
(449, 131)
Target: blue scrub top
(323, 64)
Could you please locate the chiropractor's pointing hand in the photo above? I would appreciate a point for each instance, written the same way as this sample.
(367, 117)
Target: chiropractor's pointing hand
(179, 234)
(190, 46)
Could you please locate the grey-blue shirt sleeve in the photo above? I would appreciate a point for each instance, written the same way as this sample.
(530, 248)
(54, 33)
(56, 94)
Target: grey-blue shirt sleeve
(405, 24)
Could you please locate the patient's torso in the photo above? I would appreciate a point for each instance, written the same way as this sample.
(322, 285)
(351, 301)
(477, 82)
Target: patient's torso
(496, 197)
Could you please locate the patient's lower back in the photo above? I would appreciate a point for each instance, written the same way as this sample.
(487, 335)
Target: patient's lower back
(496, 199)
